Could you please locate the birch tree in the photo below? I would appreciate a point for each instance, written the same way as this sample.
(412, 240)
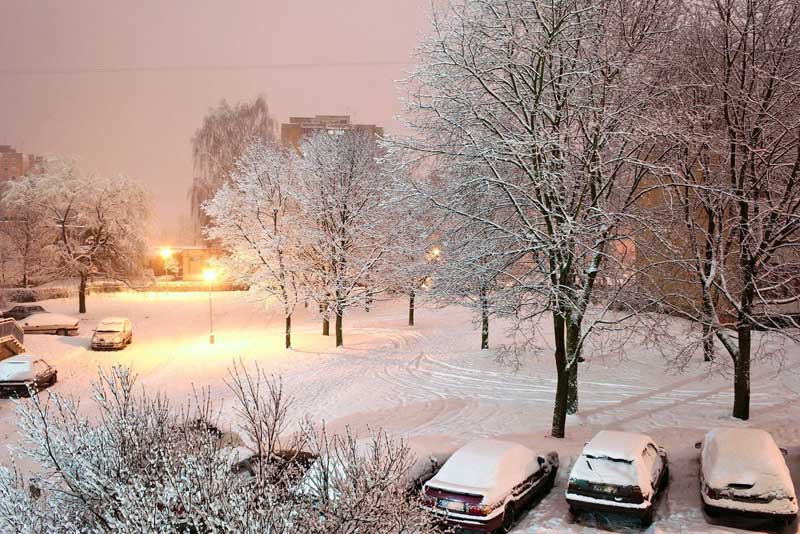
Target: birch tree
(254, 220)
(227, 131)
(535, 104)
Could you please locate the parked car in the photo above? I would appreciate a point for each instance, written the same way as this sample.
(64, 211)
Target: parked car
(21, 311)
(743, 472)
(112, 333)
(486, 483)
(619, 472)
(24, 371)
(50, 323)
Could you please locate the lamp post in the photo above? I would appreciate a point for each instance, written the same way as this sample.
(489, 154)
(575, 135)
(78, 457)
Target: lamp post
(210, 275)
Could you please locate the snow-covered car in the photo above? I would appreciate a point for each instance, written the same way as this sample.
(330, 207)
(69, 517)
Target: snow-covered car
(50, 323)
(24, 371)
(22, 311)
(485, 483)
(112, 333)
(743, 472)
(618, 472)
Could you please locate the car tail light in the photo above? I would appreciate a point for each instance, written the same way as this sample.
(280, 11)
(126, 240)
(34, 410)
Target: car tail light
(479, 509)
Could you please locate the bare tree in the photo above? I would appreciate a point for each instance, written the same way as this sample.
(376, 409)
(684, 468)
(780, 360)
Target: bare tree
(26, 232)
(535, 104)
(346, 199)
(734, 120)
(226, 133)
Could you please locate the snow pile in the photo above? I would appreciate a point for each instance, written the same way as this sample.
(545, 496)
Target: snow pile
(486, 467)
(749, 460)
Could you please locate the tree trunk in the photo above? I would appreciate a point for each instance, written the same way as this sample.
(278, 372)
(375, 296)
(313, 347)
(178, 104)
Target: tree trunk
(82, 295)
(484, 320)
(573, 354)
(708, 343)
(339, 336)
(25, 278)
(326, 322)
(741, 384)
(411, 296)
(289, 331)
(560, 408)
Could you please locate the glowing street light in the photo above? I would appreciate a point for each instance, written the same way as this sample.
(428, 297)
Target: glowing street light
(166, 253)
(210, 276)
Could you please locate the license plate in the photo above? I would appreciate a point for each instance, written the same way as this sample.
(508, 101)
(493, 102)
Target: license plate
(453, 506)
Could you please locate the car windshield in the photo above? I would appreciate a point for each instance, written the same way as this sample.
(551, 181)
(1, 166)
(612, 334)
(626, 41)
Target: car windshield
(607, 471)
(110, 327)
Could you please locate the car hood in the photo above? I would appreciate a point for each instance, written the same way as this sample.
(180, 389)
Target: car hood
(107, 337)
(15, 373)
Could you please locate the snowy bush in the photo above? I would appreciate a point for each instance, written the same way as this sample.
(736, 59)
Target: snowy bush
(144, 465)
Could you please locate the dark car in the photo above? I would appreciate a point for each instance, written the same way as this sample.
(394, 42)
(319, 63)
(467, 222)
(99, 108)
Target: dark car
(22, 311)
(618, 472)
(486, 483)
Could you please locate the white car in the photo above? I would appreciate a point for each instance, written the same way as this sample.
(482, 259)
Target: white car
(112, 333)
(486, 483)
(618, 472)
(50, 323)
(743, 472)
(24, 371)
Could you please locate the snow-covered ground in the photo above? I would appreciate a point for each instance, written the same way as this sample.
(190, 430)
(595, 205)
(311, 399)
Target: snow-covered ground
(429, 382)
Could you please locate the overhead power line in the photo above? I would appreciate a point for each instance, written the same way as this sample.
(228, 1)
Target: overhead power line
(195, 68)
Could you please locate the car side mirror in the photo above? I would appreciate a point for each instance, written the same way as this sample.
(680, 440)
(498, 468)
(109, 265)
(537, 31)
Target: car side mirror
(541, 461)
(698, 445)
(784, 451)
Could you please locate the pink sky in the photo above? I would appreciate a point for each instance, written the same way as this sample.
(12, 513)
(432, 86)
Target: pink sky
(57, 97)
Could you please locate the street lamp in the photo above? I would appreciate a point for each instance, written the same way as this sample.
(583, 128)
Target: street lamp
(210, 275)
(166, 255)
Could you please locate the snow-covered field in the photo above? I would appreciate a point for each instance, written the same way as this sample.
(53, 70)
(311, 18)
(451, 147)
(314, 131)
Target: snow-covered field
(429, 382)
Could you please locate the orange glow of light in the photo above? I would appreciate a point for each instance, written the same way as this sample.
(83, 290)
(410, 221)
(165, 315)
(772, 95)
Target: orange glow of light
(166, 252)
(209, 275)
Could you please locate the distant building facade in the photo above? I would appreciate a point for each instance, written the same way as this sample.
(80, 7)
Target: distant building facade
(298, 128)
(15, 164)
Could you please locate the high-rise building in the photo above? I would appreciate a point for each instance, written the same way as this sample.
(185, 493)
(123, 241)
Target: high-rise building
(15, 164)
(293, 132)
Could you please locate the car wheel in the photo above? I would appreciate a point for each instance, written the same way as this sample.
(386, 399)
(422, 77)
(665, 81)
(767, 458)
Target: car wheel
(649, 516)
(509, 515)
(61, 332)
(664, 478)
(551, 481)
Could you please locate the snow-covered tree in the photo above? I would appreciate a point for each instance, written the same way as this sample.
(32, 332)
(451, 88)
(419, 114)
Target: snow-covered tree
(97, 225)
(27, 234)
(253, 219)
(534, 105)
(143, 465)
(732, 119)
(346, 200)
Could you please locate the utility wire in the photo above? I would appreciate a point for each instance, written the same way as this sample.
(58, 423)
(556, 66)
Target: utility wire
(194, 68)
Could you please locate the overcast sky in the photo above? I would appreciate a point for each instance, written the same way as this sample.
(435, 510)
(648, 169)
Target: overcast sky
(122, 86)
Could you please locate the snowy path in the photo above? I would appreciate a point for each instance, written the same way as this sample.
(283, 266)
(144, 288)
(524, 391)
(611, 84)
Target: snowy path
(429, 382)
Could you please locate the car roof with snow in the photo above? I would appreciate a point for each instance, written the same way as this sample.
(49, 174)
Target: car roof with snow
(747, 456)
(24, 358)
(627, 446)
(48, 319)
(486, 467)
